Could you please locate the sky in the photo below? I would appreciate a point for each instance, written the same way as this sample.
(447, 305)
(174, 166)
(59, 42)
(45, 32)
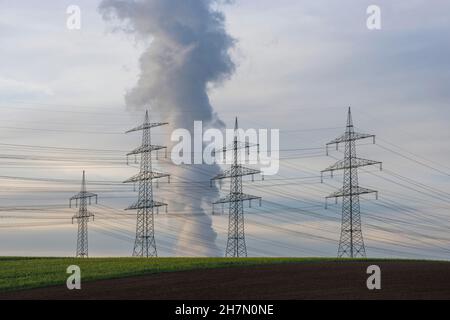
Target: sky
(299, 65)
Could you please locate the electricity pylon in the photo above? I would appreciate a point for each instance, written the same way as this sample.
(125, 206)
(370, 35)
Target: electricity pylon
(145, 245)
(351, 243)
(236, 246)
(82, 217)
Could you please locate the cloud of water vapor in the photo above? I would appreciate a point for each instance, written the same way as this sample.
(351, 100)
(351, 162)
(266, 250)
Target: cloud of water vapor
(188, 51)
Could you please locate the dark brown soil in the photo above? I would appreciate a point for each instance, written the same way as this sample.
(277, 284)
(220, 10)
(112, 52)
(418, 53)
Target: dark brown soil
(314, 280)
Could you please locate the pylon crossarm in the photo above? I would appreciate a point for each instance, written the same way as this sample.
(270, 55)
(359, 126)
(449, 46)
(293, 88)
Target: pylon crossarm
(239, 145)
(237, 197)
(85, 215)
(83, 195)
(353, 191)
(147, 126)
(351, 136)
(146, 204)
(236, 171)
(143, 149)
(354, 163)
(143, 176)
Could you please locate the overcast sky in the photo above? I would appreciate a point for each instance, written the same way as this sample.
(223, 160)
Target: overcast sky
(299, 65)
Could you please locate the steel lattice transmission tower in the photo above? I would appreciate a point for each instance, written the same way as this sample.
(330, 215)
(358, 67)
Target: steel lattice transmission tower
(351, 243)
(236, 246)
(144, 245)
(83, 216)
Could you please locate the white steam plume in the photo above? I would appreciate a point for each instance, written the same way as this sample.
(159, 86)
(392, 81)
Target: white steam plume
(188, 51)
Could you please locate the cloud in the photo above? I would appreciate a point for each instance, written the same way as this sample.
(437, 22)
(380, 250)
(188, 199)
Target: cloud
(16, 88)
